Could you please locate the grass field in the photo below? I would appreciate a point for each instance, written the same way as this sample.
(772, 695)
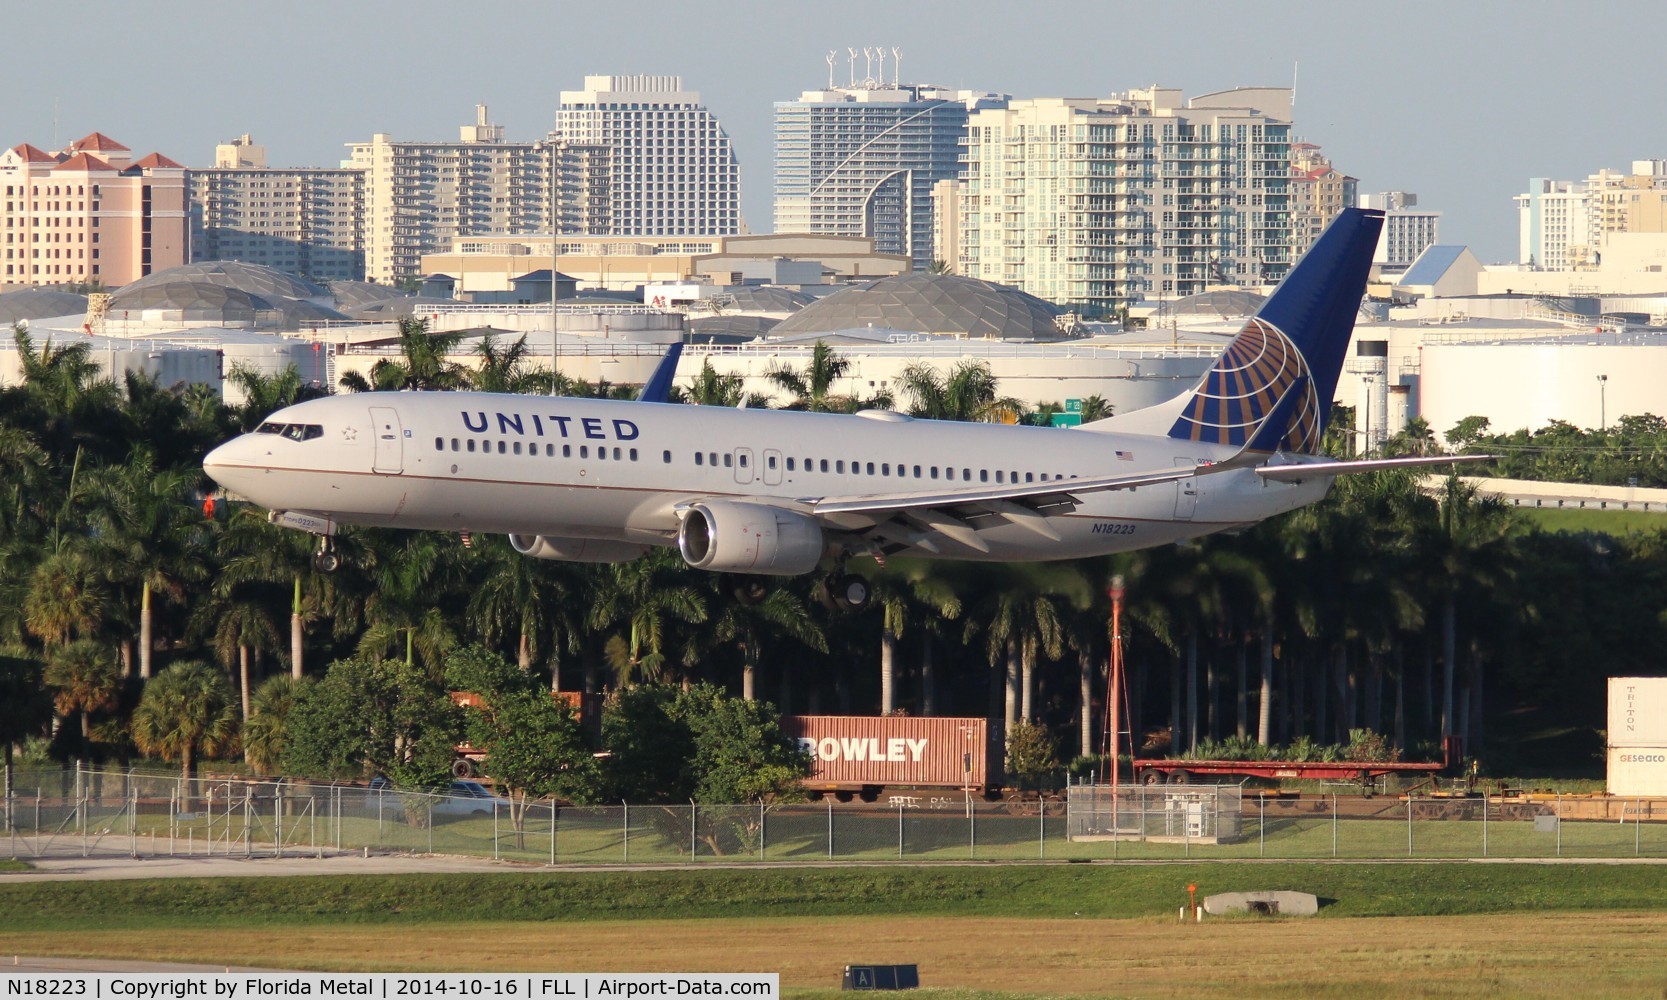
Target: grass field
(1609, 522)
(1388, 929)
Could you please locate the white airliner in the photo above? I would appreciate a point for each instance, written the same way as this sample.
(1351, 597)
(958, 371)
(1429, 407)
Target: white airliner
(774, 492)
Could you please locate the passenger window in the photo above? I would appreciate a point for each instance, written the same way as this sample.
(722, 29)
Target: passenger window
(601, 453)
(839, 466)
(713, 457)
(934, 472)
(633, 454)
(471, 444)
(549, 451)
(917, 472)
(770, 461)
(500, 447)
(824, 465)
(584, 451)
(966, 475)
(517, 447)
(1001, 477)
(1030, 477)
(700, 458)
(742, 458)
(885, 468)
(439, 444)
(566, 451)
(789, 464)
(616, 454)
(871, 468)
(665, 456)
(983, 475)
(729, 460)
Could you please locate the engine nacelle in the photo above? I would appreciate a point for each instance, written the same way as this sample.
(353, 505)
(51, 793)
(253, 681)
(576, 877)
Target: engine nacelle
(729, 537)
(580, 550)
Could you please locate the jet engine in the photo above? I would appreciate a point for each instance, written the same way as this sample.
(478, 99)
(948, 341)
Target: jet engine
(730, 537)
(581, 550)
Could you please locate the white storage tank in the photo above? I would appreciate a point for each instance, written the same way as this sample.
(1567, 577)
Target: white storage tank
(1637, 739)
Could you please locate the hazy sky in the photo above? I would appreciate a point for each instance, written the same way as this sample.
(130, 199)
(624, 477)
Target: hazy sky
(1458, 100)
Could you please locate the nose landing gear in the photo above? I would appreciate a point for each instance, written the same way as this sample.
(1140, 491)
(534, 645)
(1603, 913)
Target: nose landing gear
(845, 592)
(326, 559)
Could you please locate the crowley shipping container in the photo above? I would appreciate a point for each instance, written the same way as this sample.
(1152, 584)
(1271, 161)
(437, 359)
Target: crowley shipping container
(862, 754)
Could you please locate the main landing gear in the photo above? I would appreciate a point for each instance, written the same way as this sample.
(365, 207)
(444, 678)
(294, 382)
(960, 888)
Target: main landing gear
(326, 559)
(842, 591)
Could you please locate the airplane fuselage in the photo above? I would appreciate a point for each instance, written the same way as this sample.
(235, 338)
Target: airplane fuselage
(625, 472)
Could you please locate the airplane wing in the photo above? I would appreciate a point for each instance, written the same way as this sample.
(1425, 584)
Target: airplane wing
(1296, 471)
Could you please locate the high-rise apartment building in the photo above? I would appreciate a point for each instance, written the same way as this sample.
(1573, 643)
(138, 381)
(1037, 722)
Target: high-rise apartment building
(1407, 229)
(1094, 203)
(1319, 192)
(660, 163)
(305, 221)
(419, 195)
(89, 214)
(862, 160)
(1562, 224)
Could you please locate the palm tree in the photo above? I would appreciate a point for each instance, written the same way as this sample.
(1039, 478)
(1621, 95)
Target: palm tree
(148, 534)
(423, 363)
(66, 598)
(255, 551)
(640, 601)
(1095, 407)
(410, 573)
(528, 600)
(267, 728)
(967, 393)
(84, 679)
(748, 624)
(265, 394)
(908, 598)
(813, 388)
(505, 369)
(1471, 549)
(708, 388)
(186, 712)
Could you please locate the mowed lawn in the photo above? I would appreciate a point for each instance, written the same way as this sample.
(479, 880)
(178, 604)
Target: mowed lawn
(1401, 930)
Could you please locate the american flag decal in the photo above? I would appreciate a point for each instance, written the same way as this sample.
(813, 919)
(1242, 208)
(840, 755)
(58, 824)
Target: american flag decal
(1125, 456)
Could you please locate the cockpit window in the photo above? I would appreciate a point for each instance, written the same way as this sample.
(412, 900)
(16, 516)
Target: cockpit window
(295, 432)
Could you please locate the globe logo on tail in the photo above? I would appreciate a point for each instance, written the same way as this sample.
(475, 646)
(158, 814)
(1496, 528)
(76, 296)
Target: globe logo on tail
(1244, 385)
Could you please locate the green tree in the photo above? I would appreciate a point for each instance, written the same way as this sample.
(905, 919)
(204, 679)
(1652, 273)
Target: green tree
(708, 388)
(185, 713)
(508, 368)
(267, 730)
(966, 393)
(25, 708)
(378, 717)
(639, 603)
(265, 394)
(533, 744)
(1032, 759)
(812, 388)
(423, 363)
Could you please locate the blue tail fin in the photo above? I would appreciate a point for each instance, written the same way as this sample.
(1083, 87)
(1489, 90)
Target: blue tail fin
(1301, 332)
(658, 387)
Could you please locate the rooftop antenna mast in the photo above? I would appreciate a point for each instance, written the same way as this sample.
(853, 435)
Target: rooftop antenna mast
(867, 66)
(896, 66)
(881, 79)
(831, 54)
(1295, 64)
(853, 65)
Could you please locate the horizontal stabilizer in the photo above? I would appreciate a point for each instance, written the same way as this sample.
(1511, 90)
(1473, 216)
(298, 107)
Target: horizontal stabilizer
(1297, 471)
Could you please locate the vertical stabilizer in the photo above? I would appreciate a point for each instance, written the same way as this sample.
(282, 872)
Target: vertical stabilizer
(1301, 333)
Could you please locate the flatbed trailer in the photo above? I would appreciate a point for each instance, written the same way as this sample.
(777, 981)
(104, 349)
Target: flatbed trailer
(1181, 772)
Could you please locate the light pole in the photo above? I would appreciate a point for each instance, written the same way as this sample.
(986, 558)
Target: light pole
(1603, 387)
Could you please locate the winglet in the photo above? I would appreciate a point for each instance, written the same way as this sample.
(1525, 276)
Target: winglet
(658, 387)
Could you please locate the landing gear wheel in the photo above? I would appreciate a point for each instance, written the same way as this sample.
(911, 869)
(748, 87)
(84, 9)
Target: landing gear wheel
(748, 590)
(849, 592)
(326, 559)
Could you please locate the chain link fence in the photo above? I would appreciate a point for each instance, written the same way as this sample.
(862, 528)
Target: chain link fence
(86, 813)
